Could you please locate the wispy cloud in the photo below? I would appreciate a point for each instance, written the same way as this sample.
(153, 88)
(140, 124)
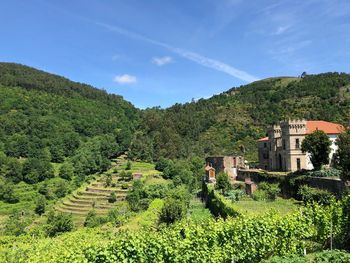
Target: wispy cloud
(161, 61)
(125, 79)
(189, 55)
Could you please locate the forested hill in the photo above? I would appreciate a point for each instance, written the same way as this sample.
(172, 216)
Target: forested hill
(232, 121)
(39, 110)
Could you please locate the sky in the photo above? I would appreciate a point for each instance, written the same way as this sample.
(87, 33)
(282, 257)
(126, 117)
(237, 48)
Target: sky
(162, 52)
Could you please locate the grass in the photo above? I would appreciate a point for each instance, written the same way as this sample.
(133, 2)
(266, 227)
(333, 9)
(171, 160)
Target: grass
(248, 206)
(146, 219)
(197, 211)
(146, 169)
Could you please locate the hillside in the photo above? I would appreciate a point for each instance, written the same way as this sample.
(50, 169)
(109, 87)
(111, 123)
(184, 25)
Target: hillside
(232, 121)
(42, 110)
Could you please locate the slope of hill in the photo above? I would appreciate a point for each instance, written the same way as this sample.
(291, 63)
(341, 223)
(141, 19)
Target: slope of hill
(42, 110)
(232, 121)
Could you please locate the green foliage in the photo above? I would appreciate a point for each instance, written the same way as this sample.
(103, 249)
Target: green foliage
(287, 259)
(108, 181)
(343, 154)
(310, 195)
(128, 166)
(223, 183)
(40, 205)
(61, 188)
(330, 172)
(271, 190)
(235, 195)
(66, 171)
(41, 110)
(334, 256)
(16, 223)
(172, 211)
(259, 195)
(7, 193)
(93, 220)
(112, 198)
(319, 147)
(59, 223)
(37, 170)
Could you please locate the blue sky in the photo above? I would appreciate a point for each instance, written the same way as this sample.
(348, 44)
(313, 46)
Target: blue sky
(159, 52)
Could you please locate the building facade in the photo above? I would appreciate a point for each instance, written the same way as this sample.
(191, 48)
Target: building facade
(227, 164)
(281, 149)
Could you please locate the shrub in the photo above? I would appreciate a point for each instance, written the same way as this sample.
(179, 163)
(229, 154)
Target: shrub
(7, 193)
(40, 205)
(310, 194)
(173, 210)
(125, 186)
(61, 189)
(93, 220)
(128, 166)
(271, 190)
(16, 224)
(59, 223)
(223, 183)
(259, 195)
(331, 172)
(108, 181)
(334, 256)
(112, 198)
(287, 259)
(235, 195)
(66, 171)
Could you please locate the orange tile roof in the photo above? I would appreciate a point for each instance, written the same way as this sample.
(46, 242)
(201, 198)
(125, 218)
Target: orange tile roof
(263, 139)
(327, 127)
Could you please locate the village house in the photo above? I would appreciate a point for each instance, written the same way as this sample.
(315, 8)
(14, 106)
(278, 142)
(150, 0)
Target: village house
(281, 149)
(226, 164)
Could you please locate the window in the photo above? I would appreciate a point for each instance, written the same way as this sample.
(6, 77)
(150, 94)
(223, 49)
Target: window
(297, 144)
(265, 145)
(298, 164)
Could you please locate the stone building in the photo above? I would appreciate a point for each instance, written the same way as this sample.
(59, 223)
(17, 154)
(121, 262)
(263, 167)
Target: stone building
(227, 164)
(281, 150)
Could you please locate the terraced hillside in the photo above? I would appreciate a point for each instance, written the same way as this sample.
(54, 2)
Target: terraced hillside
(95, 196)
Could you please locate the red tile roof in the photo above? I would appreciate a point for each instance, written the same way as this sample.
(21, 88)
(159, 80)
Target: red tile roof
(263, 139)
(327, 127)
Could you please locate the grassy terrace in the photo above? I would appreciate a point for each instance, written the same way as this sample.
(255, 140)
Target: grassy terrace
(248, 206)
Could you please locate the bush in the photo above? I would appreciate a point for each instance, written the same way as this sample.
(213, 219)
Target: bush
(59, 223)
(112, 198)
(334, 256)
(259, 195)
(331, 172)
(40, 205)
(61, 189)
(128, 166)
(271, 190)
(7, 193)
(235, 195)
(125, 186)
(93, 220)
(223, 183)
(173, 210)
(66, 171)
(287, 259)
(310, 194)
(16, 224)
(108, 181)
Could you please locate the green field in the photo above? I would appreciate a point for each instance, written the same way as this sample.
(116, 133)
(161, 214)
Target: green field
(248, 206)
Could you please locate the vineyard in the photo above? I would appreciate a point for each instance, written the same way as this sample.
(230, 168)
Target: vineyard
(241, 239)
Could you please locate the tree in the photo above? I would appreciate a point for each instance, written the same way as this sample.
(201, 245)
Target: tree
(112, 198)
(40, 205)
(343, 154)
(223, 183)
(318, 145)
(59, 223)
(173, 210)
(66, 171)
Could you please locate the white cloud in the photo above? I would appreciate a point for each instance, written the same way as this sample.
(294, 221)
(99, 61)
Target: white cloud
(161, 61)
(189, 55)
(125, 79)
